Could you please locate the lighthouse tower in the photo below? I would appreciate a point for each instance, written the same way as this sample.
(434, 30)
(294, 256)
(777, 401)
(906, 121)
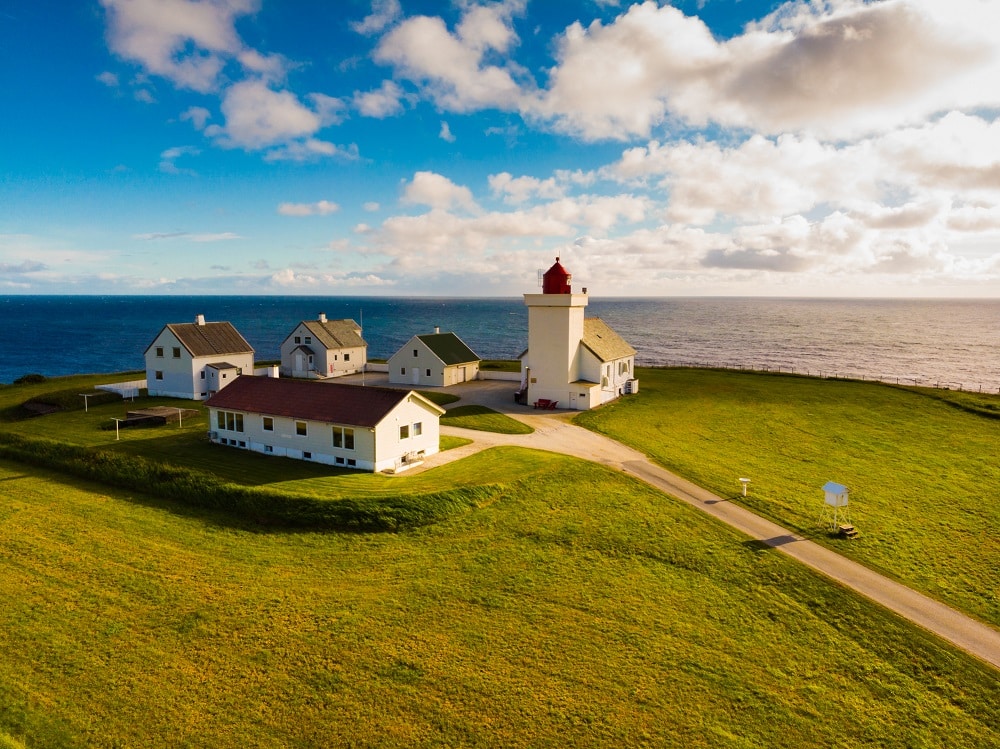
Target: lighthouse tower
(555, 329)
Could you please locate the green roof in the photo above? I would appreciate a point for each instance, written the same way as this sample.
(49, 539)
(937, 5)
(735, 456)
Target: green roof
(449, 348)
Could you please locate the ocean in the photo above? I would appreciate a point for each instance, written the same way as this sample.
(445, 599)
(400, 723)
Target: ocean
(941, 343)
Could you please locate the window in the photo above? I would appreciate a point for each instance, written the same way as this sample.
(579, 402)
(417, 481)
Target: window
(177, 352)
(159, 374)
(242, 443)
(343, 437)
(224, 375)
(402, 370)
(415, 352)
(159, 351)
(352, 462)
(203, 374)
(309, 339)
(229, 420)
(300, 428)
(347, 357)
(268, 449)
(268, 424)
(298, 339)
(418, 429)
(306, 455)
(339, 461)
(404, 432)
(428, 372)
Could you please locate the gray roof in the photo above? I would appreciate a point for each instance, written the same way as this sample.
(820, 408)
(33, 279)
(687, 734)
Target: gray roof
(449, 348)
(209, 339)
(336, 334)
(606, 344)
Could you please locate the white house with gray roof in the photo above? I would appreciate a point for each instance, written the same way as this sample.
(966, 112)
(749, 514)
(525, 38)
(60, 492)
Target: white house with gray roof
(436, 360)
(573, 361)
(322, 348)
(196, 360)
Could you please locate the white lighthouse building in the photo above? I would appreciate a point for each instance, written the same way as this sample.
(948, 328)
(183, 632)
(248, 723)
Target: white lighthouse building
(573, 361)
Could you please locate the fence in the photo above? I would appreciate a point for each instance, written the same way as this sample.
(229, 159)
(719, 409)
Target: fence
(833, 374)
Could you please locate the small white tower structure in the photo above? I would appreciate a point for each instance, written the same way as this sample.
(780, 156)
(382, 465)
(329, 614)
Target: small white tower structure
(835, 506)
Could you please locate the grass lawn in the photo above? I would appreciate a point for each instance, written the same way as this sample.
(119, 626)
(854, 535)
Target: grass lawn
(551, 617)
(484, 419)
(923, 472)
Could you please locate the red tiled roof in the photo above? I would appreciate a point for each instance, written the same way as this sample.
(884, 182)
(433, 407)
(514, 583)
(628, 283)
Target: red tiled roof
(327, 402)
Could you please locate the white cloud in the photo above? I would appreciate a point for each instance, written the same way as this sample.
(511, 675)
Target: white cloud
(169, 157)
(108, 78)
(809, 67)
(521, 189)
(437, 191)
(445, 133)
(371, 206)
(319, 208)
(197, 116)
(258, 117)
(386, 101)
(183, 41)
(384, 12)
(452, 65)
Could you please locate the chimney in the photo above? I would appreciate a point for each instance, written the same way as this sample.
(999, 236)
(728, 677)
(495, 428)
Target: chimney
(322, 317)
(437, 329)
(199, 320)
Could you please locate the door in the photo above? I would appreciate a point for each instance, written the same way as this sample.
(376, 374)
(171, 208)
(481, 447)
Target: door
(415, 371)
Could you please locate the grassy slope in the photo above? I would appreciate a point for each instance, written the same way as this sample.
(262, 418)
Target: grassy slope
(923, 474)
(484, 419)
(551, 618)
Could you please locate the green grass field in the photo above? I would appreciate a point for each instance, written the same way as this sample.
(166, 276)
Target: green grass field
(922, 466)
(573, 606)
(551, 617)
(484, 419)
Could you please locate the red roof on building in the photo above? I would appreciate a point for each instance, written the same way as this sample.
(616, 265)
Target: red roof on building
(331, 403)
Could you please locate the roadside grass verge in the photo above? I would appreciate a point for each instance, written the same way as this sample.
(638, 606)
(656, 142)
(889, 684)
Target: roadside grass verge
(484, 419)
(552, 617)
(921, 472)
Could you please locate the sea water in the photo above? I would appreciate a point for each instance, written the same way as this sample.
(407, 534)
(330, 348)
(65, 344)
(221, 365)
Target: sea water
(945, 343)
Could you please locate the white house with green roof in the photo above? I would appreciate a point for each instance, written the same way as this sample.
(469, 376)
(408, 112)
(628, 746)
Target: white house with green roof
(321, 348)
(436, 360)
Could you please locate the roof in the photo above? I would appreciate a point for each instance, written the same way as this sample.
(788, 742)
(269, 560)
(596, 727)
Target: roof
(222, 365)
(331, 403)
(209, 339)
(449, 348)
(831, 487)
(606, 344)
(335, 334)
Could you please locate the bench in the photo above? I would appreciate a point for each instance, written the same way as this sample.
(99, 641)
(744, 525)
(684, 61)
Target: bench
(545, 404)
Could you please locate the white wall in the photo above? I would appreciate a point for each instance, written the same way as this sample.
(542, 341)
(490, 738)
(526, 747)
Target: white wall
(375, 449)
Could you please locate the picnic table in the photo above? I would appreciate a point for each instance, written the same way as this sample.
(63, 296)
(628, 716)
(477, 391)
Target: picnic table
(546, 404)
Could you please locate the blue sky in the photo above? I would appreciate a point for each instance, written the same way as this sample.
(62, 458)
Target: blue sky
(396, 147)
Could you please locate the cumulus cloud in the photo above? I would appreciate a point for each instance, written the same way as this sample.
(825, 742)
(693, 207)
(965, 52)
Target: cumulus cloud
(452, 66)
(384, 13)
(386, 101)
(445, 133)
(521, 189)
(319, 208)
(437, 191)
(809, 67)
(185, 42)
